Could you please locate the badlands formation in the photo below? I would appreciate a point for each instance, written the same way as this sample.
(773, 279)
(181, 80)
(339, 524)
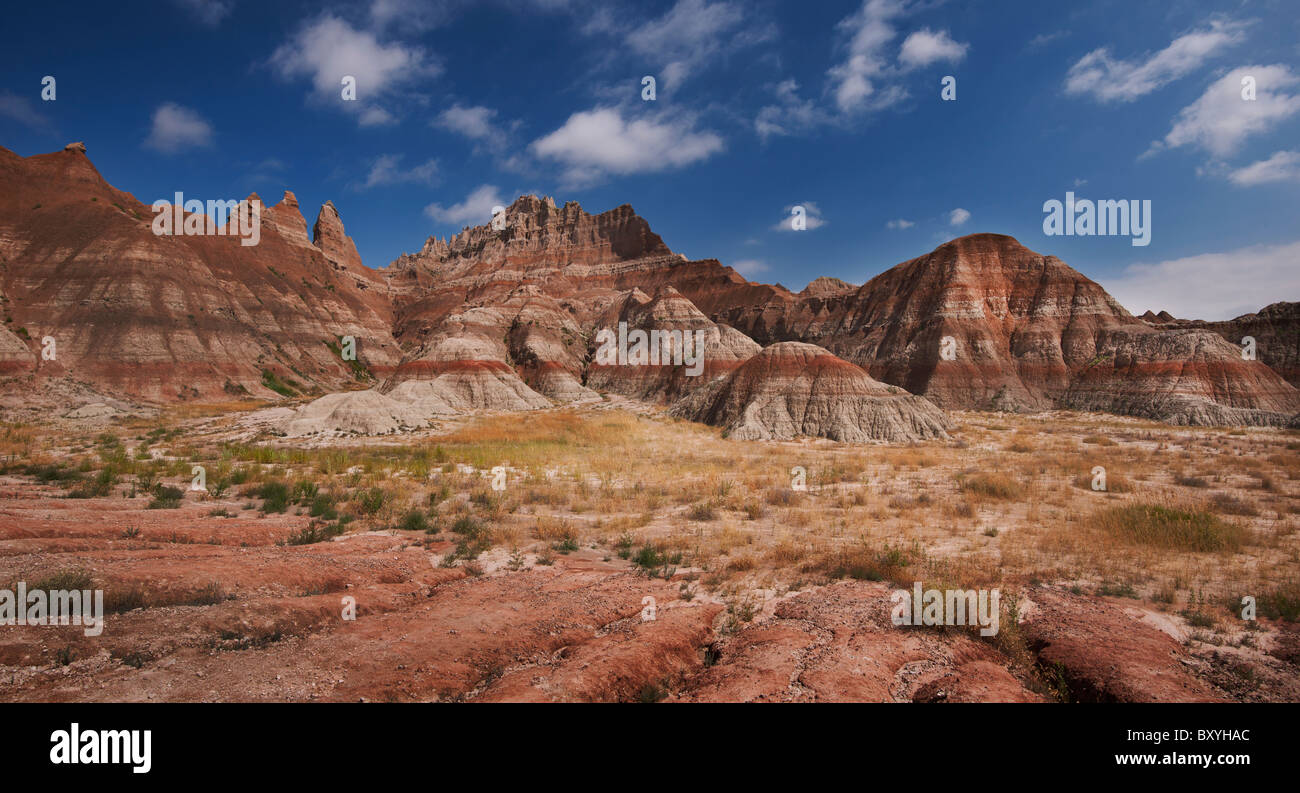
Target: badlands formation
(508, 319)
(771, 566)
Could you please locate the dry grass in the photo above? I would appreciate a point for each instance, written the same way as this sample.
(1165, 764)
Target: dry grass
(1007, 500)
(1170, 527)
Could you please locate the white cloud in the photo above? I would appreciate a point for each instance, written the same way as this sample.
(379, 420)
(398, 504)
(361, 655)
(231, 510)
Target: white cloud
(690, 34)
(898, 225)
(386, 170)
(687, 26)
(208, 12)
(595, 143)
(1221, 119)
(791, 115)
(176, 127)
(958, 217)
(1111, 80)
(475, 210)
(1043, 39)
(375, 117)
(869, 76)
(1212, 286)
(870, 30)
(474, 123)
(329, 48)
(1283, 166)
(20, 109)
(750, 267)
(812, 217)
(477, 123)
(925, 47)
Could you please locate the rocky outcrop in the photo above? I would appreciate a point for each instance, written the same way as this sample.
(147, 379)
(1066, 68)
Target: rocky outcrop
(838, 644)
(1275, 329)
(693, 350)
(506, 315)
(353, 413)
(983, 322)
(793, 389)
(826, 286)
(165, 318)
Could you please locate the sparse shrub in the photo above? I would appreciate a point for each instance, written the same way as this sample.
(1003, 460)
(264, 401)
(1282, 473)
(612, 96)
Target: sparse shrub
(322, 506)
(414, 520)
(304, 491)
(166, 497)
(1168, 527)
(274, 495)
(993, 486)
(703, 511)
(372, 500)
(1231, 505)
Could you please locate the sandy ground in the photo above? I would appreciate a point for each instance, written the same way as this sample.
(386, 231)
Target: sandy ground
(210, 602)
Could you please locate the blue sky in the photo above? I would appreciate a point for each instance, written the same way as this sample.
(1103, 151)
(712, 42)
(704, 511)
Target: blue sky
(831, 105)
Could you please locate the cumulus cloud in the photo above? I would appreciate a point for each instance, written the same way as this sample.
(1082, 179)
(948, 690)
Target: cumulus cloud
(1115, 80)
(387, 169)
(898, 225)
(176, 127)
(595, 143)
(868, 78)
(476, 123)
(1211, 286)
(1283, 166)
(812, 215)
(327, 49)
(958, 217)
(925, 47)
(870, 31)
(475, 210)
(1220, 120)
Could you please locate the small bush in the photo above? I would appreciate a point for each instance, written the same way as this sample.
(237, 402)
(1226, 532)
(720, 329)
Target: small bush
(274, 495)
(1167, 527)
(993, 486)
(165, 497)
(414, 520)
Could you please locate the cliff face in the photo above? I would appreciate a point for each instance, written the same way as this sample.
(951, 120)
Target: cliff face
(984, 322)
(508, 317)
(1275, 329)
(165, 318)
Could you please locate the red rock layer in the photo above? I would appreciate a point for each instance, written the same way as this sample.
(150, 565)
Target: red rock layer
(177, 317)
(794, 389)
(1027, 332)
(1275, 329)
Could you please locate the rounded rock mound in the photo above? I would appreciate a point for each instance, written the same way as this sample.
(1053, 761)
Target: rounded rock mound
(792, 389)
